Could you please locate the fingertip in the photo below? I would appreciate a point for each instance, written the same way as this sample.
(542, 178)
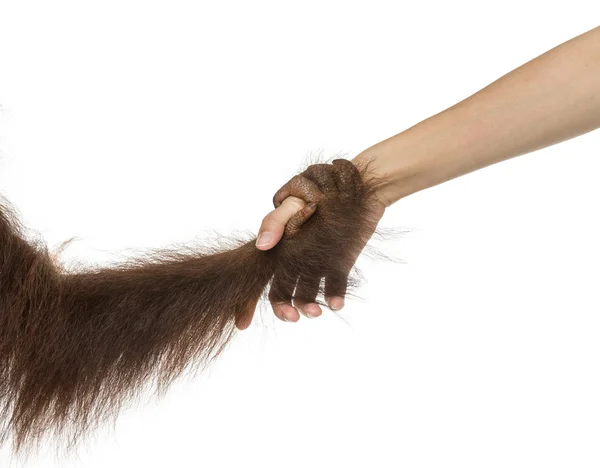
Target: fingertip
(290, 313)
(243, 324)
(267, 240)
(243, 321)
(336, 303)
(311, 310)
(286, 312)
(308, 211)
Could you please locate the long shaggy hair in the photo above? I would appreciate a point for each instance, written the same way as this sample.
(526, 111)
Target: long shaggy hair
(76, 345)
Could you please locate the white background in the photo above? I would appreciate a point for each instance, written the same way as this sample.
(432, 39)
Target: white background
(138, 124)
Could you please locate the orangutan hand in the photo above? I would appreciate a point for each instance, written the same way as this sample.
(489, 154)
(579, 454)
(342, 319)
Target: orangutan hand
(295, 203)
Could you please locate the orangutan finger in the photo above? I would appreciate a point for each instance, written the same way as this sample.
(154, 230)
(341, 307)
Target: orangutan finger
(280, 296)
(298, 186)
(347, 177)
(322, 176)
(336, 284)
(305, 296)
(294, 224)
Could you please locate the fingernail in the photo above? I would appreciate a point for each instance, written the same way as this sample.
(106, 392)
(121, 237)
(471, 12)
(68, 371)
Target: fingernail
(264, 239)
(312, 310)
(289, 317)
(312, 205)
(336, 303)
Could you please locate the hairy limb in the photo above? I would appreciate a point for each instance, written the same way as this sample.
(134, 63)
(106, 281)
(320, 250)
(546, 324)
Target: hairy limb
(76, 345)
(294, 203)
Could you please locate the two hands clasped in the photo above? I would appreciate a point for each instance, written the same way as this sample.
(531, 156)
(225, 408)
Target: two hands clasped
(295, 202)
(549, 99)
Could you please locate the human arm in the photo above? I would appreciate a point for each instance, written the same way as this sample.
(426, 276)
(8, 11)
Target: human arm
(550, 99)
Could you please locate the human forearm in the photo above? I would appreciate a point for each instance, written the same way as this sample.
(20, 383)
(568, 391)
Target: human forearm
(550, 99)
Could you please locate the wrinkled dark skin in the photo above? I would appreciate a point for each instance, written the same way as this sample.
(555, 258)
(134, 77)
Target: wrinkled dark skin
(337, 187)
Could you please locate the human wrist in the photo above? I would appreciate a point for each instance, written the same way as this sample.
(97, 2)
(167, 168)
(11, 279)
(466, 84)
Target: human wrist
(434, 151)
(401, 164)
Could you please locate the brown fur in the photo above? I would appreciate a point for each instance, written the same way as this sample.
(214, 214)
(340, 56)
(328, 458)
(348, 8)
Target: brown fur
(75, 346)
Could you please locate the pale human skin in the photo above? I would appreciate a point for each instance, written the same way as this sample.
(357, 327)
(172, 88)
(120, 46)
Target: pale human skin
(552, 98)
